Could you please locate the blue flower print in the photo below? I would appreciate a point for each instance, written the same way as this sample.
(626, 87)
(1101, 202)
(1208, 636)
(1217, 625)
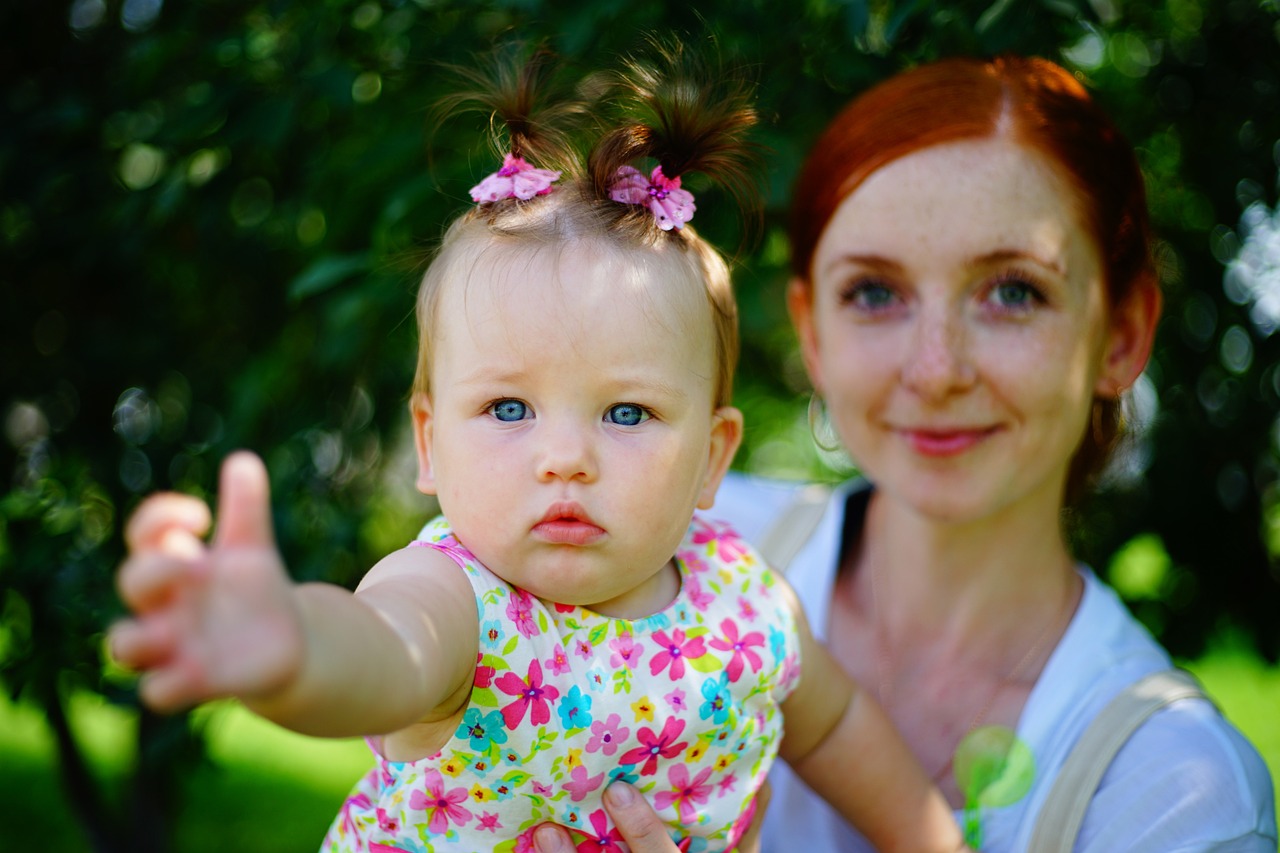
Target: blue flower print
(623, 773)
(575, 709)
(492, 633)
(716, 692)
(483, 729)
(656, 622)
(777, 643)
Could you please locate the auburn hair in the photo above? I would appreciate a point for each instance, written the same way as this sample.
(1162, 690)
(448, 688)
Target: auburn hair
(1029, 100)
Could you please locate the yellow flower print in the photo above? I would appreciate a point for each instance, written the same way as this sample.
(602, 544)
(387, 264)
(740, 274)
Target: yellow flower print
(574, 759)
(695, 752)
(453, 766)
(723, 762)
(643, 709)
(481, 794)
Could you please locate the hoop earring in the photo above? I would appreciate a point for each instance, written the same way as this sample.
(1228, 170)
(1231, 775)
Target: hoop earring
(820, 425)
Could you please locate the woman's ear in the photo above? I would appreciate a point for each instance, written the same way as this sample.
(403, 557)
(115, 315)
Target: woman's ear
(1130, 338)
(422, 437)
(726, 435)
(800, 307)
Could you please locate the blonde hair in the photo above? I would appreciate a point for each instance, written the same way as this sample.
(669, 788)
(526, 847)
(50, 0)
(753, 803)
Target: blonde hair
(672, 108)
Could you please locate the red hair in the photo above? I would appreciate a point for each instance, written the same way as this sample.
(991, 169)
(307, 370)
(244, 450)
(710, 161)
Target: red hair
(1029, 100)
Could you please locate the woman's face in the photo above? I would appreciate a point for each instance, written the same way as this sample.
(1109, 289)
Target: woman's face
(957, 326)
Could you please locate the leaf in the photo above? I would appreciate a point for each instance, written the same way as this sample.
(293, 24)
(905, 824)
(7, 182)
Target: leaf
(326, 272)
(705, 663)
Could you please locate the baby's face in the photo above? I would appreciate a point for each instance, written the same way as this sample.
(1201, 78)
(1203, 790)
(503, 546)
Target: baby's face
(571, 429)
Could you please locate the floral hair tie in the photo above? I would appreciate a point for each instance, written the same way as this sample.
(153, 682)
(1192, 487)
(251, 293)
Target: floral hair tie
(671, 206)
(516, 179)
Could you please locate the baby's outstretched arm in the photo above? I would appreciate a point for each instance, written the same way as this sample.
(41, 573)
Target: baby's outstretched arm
(224, 619)
(844, 746)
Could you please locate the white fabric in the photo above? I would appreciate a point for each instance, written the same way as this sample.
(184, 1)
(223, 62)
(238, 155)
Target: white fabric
(1186, 781)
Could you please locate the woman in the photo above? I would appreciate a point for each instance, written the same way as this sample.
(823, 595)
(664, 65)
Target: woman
(973, 291)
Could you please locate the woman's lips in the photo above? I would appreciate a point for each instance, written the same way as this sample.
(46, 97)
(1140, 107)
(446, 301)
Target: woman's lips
(941, 443)
(568, 524)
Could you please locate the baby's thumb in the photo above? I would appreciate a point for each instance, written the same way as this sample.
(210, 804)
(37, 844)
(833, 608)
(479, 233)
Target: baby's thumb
(244, 503)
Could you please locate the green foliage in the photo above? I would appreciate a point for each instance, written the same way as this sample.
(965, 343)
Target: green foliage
(212, 215)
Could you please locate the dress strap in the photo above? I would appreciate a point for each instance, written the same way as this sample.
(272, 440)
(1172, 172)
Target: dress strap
(1063, 813)
(793, 526)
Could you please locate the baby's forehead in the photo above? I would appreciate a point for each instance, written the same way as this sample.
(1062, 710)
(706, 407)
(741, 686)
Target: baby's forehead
(584, 279)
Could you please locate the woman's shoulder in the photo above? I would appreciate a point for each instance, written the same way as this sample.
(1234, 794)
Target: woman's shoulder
(1186, 776)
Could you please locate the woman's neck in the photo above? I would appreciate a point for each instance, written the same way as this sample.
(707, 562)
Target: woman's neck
(958, 583)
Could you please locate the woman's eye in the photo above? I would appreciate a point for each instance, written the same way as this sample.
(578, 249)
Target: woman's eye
(1014, 294)
(869, 295)
(509, 410)
(626, 414)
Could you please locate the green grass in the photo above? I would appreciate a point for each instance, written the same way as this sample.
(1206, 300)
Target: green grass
(266, 790)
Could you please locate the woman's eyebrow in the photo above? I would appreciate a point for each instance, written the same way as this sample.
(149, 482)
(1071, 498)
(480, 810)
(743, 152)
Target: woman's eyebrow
(1004, 256)
(867, 261)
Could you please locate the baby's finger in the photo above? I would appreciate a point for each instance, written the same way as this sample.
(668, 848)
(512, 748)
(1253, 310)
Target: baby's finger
(140, 645)
(159, 515)
(170, 688)
(149, 579)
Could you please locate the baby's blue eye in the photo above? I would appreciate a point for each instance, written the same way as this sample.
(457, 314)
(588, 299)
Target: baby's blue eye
(509, 410)
(626, 414)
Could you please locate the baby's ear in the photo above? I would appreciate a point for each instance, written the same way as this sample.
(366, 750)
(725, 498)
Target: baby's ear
(422, 438)
(726, 435)
(1130, 336)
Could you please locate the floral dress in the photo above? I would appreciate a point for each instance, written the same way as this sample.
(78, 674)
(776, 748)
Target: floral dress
(682, 704)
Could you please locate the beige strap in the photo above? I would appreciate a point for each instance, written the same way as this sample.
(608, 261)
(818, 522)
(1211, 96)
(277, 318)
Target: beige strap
(793, 527)
(1063, 812)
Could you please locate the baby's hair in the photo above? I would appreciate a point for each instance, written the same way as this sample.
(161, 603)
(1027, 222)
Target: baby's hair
(668, 106)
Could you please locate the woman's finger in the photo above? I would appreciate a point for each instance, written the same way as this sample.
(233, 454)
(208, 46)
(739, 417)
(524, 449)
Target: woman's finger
(750, 840)
(639, 824)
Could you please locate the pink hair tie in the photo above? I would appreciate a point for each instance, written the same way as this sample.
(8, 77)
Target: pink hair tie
(671, 206)
(516, 179)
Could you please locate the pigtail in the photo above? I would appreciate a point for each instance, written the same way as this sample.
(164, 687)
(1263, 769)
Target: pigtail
(533, 115)
(687, 114)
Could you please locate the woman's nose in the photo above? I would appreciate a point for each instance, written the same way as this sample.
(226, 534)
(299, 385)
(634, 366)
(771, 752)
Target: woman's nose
(566, 454)
(937, 363)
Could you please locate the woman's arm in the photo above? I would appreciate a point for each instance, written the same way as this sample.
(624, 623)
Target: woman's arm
(847, 750)
(224, 619)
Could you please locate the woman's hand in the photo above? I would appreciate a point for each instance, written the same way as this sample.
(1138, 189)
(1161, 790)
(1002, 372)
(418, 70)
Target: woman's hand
(640, 825)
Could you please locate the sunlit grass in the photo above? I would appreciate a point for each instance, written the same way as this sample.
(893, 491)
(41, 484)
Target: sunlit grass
(266, 790)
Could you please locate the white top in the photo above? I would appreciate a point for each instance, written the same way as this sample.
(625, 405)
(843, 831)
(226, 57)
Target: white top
(1186, 781)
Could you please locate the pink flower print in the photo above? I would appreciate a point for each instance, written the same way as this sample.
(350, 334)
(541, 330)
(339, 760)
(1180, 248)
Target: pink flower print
(724, 541)
(489, 822)
(626, 651)
(441, 807)
(741, 648)
(676, 700)
(565, 608)
(582, 649)
(653, 745)
(685, 794)
(387, 823)
(520, 611)
(484, 674)
(558, 663)
(605, 840)
(532, 693)
(790, 672)
(606, 735)
(726, 784)
(698, 597)
(693, 561)
(674, 650)
(580, 784)
(542, 790)
(746, 610)
(524, 842)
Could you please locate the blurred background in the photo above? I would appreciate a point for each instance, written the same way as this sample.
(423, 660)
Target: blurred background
(212, 217)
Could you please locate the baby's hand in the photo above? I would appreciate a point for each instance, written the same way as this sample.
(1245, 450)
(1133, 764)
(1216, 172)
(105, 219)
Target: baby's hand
(210, 620)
